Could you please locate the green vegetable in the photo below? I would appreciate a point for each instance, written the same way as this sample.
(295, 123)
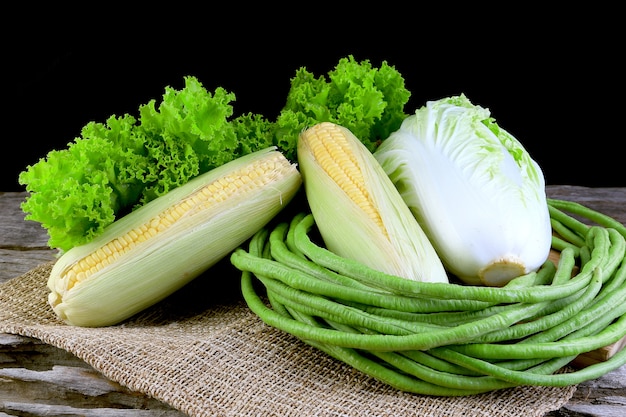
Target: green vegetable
(475, 339)
(122, 164)
(475, 190)
(366, 100)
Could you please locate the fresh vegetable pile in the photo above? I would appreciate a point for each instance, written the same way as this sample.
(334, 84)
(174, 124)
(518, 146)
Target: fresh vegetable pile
(418, 250)
(117, 166)
(447, 339)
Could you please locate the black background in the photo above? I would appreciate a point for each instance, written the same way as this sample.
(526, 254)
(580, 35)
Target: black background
(557, 89)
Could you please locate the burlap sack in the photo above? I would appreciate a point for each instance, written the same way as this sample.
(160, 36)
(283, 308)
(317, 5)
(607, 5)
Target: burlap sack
(203, 352)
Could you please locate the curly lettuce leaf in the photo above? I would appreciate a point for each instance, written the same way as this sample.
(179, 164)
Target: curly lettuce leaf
(254, 132)
(188, 134)
(126, 162)
(75, 193)
(114, 167)
(368, 101)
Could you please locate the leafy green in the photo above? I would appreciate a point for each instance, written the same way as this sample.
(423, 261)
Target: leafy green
(127, 161)
(115, 166)
(366, 100)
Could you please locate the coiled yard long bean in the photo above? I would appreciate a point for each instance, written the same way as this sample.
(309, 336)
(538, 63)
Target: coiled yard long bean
(346, 355)
(572, 207)
(372, 277)
(448, 339)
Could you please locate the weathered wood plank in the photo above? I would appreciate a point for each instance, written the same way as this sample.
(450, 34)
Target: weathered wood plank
(23, 244)
(16, 232)
(14, 263)
(602, 397)
(40, 380)
(68, 411)
(610, 201)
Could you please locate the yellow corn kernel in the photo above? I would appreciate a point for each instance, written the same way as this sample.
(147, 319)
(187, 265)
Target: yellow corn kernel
(357, 209)
(328, 144)
(153, 251)
(238, 181)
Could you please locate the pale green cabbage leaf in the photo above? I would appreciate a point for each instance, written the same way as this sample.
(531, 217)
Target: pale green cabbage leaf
(474, 189)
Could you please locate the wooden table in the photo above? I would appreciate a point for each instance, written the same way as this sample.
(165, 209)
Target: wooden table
(38, 379)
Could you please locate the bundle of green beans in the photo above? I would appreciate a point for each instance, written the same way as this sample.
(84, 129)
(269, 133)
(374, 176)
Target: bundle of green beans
(448, 339)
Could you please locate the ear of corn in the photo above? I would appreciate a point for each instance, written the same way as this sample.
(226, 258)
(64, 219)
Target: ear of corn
(357, 209)
(155, 250)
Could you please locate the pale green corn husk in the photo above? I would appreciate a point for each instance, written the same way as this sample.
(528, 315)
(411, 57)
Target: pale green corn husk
(382, 234)
(156, 267)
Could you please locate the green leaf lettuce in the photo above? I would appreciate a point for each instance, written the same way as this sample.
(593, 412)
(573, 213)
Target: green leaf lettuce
(116, 166)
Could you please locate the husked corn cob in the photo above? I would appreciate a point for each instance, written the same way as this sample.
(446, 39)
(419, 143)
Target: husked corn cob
(357, 209)
(155, 250)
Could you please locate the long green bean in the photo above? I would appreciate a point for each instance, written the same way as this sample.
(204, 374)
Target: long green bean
(566, 233)
(588, 213)
(380, 342)
(572, 227)
(425, 358)
(541, 375)
(608, 335)
(448, 339)
(324, 308)
(442, 318)
(282, 254)
(546, 322)
(392, 377)
(356, 270)
(430, 375)
(610, 307)
(300, 280)
(573, 315)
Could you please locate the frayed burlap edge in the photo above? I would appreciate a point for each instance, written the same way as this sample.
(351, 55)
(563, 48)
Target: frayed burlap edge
(219, 359)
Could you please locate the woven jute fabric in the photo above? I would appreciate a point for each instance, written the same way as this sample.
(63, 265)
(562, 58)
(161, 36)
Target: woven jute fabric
(203, 352)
